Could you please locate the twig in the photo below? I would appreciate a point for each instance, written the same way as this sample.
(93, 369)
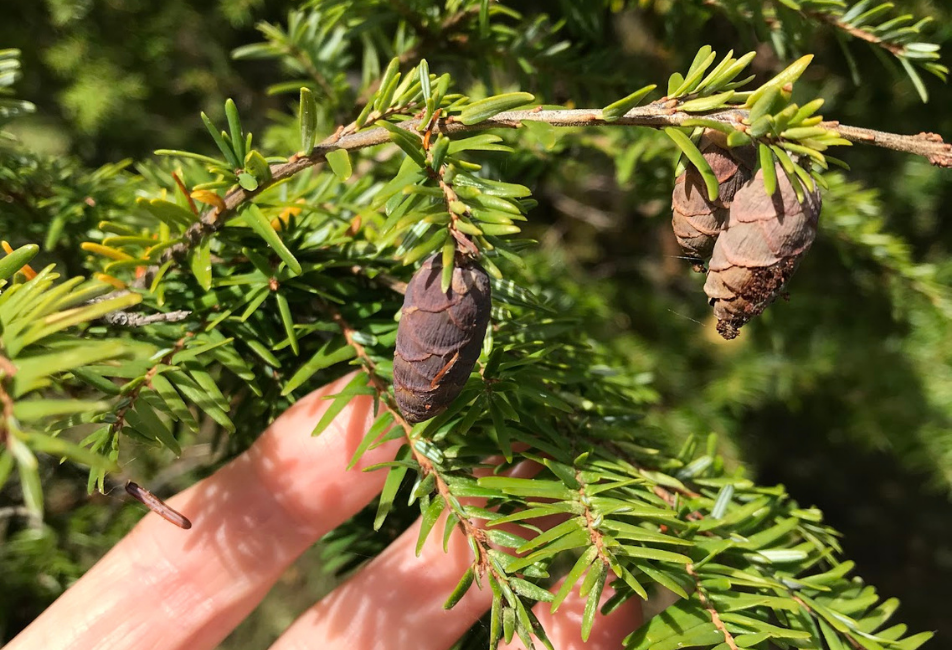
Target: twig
(7, 367)
(594, 534)
(120, 420)
(929, 145)
(157, 505)
(595, 217)
(16, 511)
(654, 115)
(706, 604)
(449, 194)
(133, 319)
(831, 19)
(896, 49)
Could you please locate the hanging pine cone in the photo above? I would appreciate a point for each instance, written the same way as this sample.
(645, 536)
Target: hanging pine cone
(439, 337)
(759, 249)
(695, 219)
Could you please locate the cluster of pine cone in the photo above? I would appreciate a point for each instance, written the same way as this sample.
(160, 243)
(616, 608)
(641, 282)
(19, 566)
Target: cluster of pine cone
(753, 241)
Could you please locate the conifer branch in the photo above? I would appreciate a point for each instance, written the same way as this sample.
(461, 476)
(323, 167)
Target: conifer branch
(594, 534)
(706, 604)
(928, 145)
(627, 502)
(658, 114)
(832, 18)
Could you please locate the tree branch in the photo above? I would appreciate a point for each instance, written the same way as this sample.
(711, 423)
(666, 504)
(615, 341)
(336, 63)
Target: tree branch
(133, 319)
(706, 604)
(829, 18)
(304, 59)
(929, 145)
(656, 115)
(896, 49)
(130, 400)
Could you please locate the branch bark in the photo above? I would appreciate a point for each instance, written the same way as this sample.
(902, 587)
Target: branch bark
(929, 145)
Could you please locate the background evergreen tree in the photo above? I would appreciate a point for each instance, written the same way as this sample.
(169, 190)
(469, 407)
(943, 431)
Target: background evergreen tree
(856, 365)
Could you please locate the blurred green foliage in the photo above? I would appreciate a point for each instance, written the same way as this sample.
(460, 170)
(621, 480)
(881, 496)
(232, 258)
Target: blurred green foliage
(844, 394)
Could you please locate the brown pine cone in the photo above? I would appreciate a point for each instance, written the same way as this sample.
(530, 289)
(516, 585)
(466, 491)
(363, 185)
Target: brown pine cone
(439, 337)
(761, 246)
(696, 221)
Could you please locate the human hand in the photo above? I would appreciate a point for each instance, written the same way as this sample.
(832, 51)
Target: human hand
(165, 588)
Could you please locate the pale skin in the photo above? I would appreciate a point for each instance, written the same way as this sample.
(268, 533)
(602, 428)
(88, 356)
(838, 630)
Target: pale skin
(164, 588)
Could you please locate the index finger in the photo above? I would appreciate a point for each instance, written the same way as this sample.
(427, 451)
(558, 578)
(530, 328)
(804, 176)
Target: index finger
(163, 587)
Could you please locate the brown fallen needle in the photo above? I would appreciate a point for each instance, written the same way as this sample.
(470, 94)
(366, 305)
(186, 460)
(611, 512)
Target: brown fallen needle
(156, 505)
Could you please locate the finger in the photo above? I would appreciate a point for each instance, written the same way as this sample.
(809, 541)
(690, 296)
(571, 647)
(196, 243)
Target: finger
(396, 601)
(564, 627)
(163, 587)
